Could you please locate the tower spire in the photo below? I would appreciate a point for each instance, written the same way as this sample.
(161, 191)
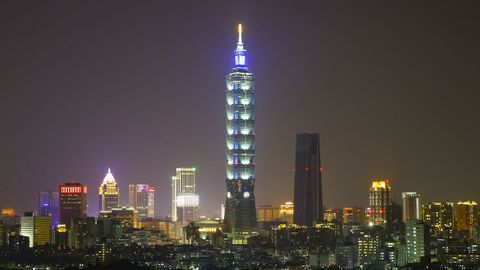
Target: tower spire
(240, 41)
(240, 51)
(240, 34)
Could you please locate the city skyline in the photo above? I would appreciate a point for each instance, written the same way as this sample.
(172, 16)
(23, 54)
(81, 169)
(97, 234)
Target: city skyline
(73, 127)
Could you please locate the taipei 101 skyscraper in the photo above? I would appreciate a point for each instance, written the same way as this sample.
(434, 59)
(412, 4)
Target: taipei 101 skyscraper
(240, 213)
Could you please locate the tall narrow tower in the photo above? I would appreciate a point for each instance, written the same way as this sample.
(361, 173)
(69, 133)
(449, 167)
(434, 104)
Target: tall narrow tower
(240, 214)
(308, 199)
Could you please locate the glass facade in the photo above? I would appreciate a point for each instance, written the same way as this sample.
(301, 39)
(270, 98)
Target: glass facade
(240, 214)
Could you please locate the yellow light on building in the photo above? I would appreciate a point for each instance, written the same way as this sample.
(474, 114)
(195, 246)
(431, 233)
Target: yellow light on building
(62, 228)
(268, 212)
(379, 184)
(8, 212)
(286, 212)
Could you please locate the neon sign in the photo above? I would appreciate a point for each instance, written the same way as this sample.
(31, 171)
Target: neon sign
(70, 189)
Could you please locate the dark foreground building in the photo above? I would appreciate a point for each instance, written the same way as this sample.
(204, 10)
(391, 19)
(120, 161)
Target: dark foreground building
(240, 212)
(308, 180)
(73, 202)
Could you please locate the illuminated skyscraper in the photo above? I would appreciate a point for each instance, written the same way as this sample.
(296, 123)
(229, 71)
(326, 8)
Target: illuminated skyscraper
(439, 216)
(142, 198)
(185, 201)
(73, 202)
(108, 193)
(411, 206)
(308, 181)
(48, 205)
(380, 202)
(240, 214)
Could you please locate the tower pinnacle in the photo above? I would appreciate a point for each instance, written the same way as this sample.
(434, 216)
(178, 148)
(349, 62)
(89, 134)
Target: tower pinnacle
(240, 57)
(240, 34)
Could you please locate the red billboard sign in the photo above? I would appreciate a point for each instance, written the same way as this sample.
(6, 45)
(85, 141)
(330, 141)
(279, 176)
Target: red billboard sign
(71, 189)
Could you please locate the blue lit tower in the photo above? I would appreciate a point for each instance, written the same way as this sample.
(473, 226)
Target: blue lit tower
(48, 205)
(240, 214)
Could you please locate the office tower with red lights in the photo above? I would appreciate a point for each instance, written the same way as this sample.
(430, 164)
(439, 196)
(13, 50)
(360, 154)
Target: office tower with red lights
(73, 202)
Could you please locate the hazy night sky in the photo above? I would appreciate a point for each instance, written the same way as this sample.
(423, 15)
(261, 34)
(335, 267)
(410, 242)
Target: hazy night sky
(392, 88)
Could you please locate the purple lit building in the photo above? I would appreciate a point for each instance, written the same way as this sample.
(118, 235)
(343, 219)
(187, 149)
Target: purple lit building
(48, 205)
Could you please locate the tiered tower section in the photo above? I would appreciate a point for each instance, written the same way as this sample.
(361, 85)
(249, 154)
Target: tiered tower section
(240, 214)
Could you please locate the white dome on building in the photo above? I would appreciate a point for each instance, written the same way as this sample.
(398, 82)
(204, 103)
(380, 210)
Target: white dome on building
(109, 179)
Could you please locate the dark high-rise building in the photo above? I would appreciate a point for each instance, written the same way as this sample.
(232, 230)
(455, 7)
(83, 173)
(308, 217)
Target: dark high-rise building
(73, 202)
(48, 205)
(240, 214)
(308, 180)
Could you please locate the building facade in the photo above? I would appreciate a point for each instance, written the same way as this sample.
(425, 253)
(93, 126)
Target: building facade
(36, 228)
(73, 202)
(127, 216)
(415, 239)
(380, 202)
(240, 214)
(42, 230)
(268, 212)
(308, 199)
(439, 216)
(185, 202)
(466, 219)
(354, 215)
(48, 205)
(412, 207)
(27, 227)
(142, 198)
(286, 212)
(108, 193)
(369, 244)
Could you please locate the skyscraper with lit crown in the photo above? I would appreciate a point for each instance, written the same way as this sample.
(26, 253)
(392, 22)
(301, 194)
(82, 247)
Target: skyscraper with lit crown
(240, 214)
(108, 193)
(380, 201)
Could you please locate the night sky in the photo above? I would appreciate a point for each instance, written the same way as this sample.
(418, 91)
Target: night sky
(139, 86)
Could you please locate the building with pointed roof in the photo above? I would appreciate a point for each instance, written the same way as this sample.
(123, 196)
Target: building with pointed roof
(240, 212)
(108, 193)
